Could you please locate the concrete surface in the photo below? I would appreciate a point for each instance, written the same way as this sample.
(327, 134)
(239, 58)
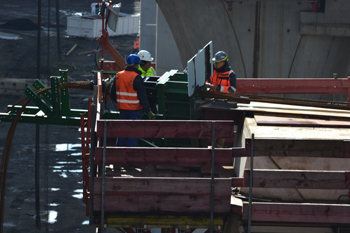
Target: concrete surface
(263, 39)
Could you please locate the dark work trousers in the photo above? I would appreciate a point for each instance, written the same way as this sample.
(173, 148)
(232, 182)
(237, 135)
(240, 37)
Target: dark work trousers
(129, 115)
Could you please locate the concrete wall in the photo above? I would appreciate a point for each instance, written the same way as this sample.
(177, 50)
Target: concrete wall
(148, 26)
(158, 38)
(268, 39)
(167, 53)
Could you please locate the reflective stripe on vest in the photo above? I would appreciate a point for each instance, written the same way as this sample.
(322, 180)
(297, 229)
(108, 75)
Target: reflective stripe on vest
(126, 95)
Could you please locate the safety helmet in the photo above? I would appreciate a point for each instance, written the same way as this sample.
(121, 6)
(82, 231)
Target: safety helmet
(220, 56)
(144, 55)
(133, 59)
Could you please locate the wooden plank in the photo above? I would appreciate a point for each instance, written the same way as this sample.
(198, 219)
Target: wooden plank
(297, 179)
(298, 148)
(296, 141)
(347, 180)
(292, 86)
(296, 133)
(167, 156)
(236, 205)
(300, 122)
(151, 204)
(165, 129)
(163, 186)
(289, 110)
(298, 213)
(166, 222)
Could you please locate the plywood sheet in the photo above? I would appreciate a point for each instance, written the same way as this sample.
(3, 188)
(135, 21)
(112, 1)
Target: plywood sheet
(295, 133)
(299, 122)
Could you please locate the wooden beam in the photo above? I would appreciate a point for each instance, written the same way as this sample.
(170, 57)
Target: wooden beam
(298, 179)
(163, 186)
(152, 204)
(262, 120)
(292, 86)
(165, 129)
(299, 148)
(167, 156)
(163, 221)
(298, 213)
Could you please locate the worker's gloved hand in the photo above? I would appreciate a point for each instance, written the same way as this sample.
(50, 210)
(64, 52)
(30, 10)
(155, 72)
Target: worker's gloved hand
(151, 115)
(212, 86)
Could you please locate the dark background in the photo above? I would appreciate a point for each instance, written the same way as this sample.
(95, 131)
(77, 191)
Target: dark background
(60, 150)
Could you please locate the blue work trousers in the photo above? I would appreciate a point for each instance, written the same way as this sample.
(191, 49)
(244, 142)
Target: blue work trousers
(129, 115)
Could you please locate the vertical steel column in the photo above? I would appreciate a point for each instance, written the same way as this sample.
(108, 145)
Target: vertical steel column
(103, 175)
(92, 154)
(92, 163)
(83, 156)
(251, 185)
(212, 178)
(37, 180)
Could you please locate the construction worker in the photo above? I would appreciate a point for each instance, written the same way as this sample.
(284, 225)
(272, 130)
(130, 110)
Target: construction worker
(145, 66)
(130, 96)
(136, 45)
(223, 78)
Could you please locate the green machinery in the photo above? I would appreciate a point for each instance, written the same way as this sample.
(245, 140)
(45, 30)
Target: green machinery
(53, 103)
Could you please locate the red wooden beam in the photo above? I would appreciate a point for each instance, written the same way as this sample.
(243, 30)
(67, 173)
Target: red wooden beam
(152, 204)
(115, 55)
(298, 179)
(129, 230)
(163, 186)
(292, 86)
(172, 156)
(298, 213)
(165, 129)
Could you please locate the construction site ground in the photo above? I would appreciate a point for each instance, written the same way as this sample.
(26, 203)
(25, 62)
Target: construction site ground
(61, 201)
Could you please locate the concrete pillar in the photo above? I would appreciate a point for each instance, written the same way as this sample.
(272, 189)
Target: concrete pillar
(148, 26)
(167, 53)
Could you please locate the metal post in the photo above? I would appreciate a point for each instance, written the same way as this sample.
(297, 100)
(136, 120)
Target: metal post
(212, 178)
(103, 175)
(37, 177)
(251, 185)
(92, 163)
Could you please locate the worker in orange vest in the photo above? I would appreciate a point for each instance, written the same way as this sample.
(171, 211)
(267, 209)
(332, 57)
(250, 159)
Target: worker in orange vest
(129, 92)
(136, 45)
(223, 78)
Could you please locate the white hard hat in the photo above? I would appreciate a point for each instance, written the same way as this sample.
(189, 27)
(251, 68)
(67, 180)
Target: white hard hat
(144, 55)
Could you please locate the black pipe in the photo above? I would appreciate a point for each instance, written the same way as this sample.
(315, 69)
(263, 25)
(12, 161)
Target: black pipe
(37, 180)
(58, 29)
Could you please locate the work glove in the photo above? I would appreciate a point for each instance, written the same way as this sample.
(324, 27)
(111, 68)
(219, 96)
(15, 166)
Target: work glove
(151, 115)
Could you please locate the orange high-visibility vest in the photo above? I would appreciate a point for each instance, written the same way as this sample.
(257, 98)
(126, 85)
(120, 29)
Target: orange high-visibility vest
(221, 79)
(126, 95)
(137, 43)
